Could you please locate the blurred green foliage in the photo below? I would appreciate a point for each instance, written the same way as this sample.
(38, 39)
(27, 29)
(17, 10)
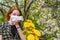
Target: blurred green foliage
(1, 18)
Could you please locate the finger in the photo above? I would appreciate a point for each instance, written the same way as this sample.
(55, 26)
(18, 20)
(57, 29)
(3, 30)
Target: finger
(13, 22)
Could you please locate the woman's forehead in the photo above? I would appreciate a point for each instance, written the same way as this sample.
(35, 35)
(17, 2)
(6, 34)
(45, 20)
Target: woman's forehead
(15, 11)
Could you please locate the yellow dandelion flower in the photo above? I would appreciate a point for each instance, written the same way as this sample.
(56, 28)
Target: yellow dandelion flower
(30, 37)
(36, 38)
(26, 24)
(36, 32)
(29, 21)
(23, 32)
(29, 32)
(32, 25)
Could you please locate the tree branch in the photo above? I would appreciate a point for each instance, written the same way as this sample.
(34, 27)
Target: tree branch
(4, 5)
(2, 11)
(29, 5)
(26, 7)
(16, 1)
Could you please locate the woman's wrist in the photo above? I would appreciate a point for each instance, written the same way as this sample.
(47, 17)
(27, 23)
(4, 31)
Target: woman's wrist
(17, 26)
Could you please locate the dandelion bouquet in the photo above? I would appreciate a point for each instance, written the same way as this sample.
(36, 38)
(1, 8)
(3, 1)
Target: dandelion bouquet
(30, 31)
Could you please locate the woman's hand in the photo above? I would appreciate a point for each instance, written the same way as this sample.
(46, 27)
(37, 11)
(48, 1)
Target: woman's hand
(15, 22)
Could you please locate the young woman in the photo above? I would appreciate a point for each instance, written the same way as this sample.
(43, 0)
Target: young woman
(11, 30)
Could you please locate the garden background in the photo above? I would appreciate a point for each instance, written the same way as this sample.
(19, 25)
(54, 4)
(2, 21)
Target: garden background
(45, 14)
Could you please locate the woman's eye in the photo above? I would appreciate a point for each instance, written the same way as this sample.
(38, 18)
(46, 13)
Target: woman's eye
(14, 14)
(17, 15)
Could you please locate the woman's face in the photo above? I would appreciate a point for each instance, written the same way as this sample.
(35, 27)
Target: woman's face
(15, 13)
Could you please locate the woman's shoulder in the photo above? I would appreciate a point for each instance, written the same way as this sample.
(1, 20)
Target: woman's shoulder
(6, 26)
(3, 24)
